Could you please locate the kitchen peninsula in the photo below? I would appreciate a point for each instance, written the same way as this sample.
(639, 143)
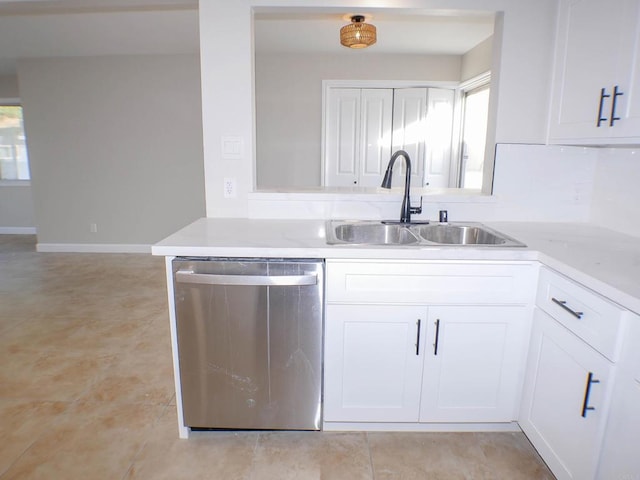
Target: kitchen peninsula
(562, 306)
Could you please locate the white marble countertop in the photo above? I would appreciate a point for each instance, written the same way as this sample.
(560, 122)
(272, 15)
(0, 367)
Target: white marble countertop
(601, 259)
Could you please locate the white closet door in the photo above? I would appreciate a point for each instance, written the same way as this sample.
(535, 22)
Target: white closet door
(375, 134)
(439, 128)
(409, 130)
(342, 137)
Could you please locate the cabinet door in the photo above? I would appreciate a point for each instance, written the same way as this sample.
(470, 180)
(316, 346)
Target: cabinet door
(342, 130)
(439, 127)
(627, 130)
(595, 47)
(409, 131)
(375, 135)
(621, 448)
(562, 413)
(373, 363)
(358, 136)
(620, 457)
(473, 364)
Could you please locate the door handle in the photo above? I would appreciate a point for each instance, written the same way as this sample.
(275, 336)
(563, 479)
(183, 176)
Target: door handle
(418, 336)
(188, 276)
(587, 392)
(614, 102)
(603, 95)
(435, 344)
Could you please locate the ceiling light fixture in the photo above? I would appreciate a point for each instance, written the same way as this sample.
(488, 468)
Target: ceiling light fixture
(358, 34)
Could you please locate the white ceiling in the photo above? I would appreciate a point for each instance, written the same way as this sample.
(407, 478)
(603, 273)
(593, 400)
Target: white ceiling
(45, 28)
(399, 31)
(37, 28)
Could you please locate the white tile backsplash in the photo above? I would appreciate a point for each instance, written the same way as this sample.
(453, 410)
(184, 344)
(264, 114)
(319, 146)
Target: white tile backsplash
(531, 182)
(544, 183)
(616, 195)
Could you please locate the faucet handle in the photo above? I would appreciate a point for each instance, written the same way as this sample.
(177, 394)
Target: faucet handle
(416, 209)
(444, 216)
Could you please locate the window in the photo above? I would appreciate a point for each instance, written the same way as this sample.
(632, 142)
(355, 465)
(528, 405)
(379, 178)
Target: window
(475, 110)
(14, 162)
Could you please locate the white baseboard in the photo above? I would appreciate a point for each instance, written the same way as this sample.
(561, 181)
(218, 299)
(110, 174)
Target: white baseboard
(17, 230)
(419, 427)
(93, 248)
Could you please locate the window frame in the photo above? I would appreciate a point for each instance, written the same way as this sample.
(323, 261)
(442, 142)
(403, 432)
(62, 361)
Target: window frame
(15, 102)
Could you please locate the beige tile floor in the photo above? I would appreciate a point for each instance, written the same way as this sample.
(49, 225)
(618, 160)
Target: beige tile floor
(86, 392)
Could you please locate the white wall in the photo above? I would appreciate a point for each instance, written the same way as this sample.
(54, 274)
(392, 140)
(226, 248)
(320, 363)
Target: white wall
(616, 196)
(16, 206)
(115, 141)
(289, 105)
(523, 84)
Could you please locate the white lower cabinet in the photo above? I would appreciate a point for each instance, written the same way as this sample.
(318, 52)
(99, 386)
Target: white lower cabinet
(621, 446)
(564, 407)
(413, 343)
(576, 340)
(473, 359)
(373, 363)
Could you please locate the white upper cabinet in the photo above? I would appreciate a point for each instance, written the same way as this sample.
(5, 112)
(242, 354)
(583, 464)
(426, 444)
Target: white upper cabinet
(595, 90)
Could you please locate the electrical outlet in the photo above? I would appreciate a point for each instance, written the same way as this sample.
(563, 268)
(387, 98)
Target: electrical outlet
(229, 188)
(93, 227)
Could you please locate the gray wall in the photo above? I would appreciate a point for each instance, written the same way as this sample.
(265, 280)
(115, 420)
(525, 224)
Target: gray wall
(289, 105)
(115, 141)
(8, 86)
(477, 60)
(16, 209)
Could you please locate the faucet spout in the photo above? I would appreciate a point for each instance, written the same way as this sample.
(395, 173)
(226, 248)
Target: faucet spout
(406, 209)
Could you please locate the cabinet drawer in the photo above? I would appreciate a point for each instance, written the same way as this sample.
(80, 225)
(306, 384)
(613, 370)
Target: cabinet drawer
(430, 282)
(593, 318)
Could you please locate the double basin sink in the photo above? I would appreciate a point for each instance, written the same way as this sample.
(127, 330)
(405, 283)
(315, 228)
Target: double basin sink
(341, 232)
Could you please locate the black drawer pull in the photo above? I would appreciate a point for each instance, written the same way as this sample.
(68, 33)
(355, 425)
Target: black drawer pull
(418, 336)
(563, 304)
(587, 392)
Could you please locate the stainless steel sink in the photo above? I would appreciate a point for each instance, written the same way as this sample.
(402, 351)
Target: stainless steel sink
(372, 233)
(461, 235)
(345, 232)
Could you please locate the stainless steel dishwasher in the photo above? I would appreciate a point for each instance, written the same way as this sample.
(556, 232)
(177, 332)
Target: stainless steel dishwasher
(250, 342)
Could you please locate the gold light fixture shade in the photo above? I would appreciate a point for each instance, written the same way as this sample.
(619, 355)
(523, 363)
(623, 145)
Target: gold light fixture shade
(358, 34)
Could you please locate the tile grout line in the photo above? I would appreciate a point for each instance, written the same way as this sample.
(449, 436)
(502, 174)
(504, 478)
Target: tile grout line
(17, 459)
(253, 457)
(146, 441)
(373, 475)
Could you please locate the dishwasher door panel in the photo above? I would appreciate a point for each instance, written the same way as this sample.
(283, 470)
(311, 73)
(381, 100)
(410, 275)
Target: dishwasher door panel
(250, 356)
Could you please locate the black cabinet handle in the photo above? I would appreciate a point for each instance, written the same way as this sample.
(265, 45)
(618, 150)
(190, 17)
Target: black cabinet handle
(563, 304)
(435, 344)
(603, 95)
(418, 337)
(587, 392)
(614, 102)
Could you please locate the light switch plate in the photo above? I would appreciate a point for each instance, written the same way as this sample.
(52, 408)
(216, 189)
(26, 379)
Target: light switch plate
(232, 147)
